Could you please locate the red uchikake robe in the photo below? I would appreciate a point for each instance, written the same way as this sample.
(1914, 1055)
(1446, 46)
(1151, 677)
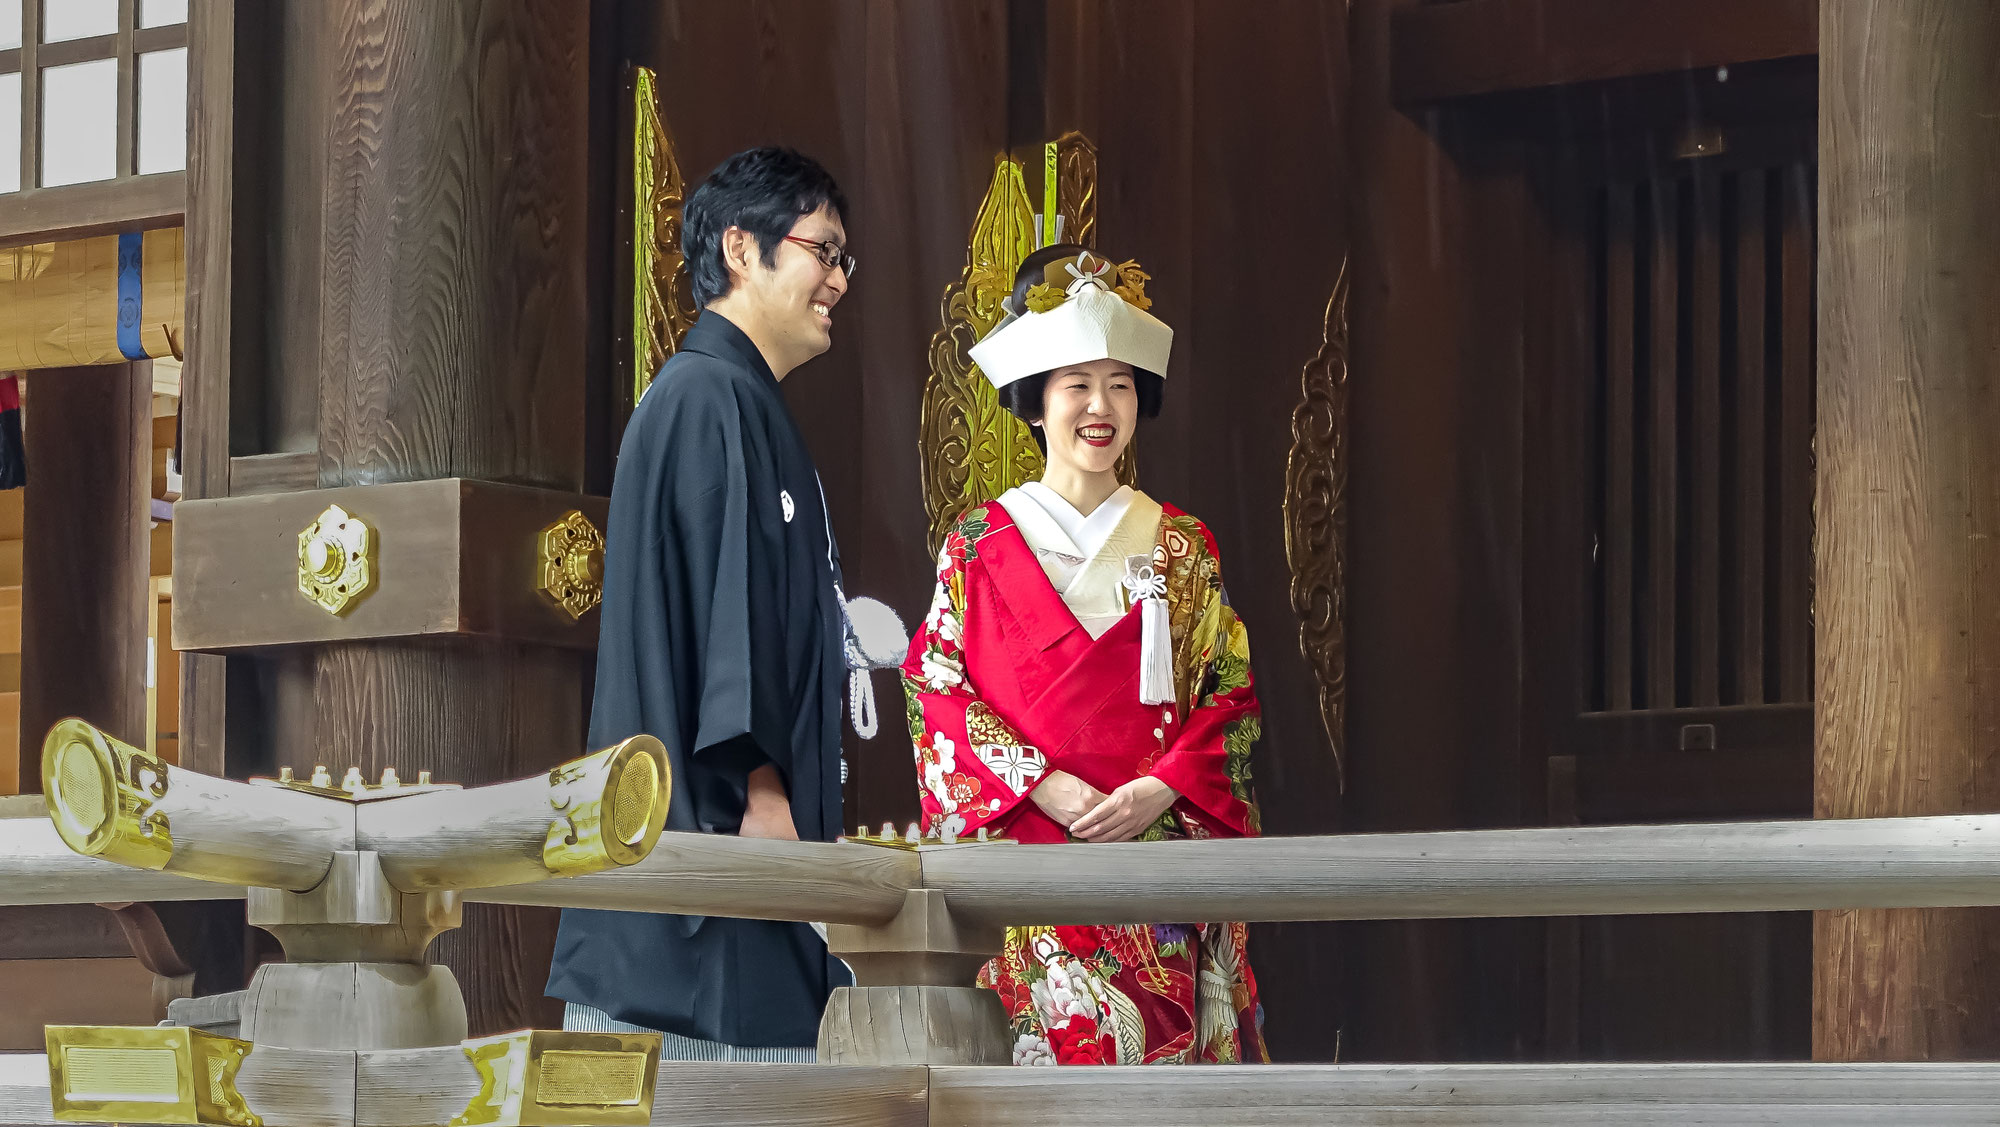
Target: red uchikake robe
(1004, 685)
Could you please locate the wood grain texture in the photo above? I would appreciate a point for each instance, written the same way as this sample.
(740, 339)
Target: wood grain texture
(212, 252)
(1596, 870)
(37, 868)
(273, 473)
(453, 557)
(906, 1025)
(348, 1006)
(708, 874)
(1908, 642)
(469, 712)
(451, 285)
(24, 1088)
(298, 1087)
(394, 1088)
(1444, 51)
(1572, 1095)
(86, 555)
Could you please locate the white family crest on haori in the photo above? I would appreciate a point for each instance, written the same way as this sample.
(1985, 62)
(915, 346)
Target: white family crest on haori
(785, 503)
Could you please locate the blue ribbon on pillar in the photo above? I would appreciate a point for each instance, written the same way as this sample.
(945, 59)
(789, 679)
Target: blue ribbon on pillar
(131, 256)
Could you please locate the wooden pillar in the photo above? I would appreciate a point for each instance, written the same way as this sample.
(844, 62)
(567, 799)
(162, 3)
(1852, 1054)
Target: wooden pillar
(85, 553)
(1907, 601)
(391, 291)
(452, 345)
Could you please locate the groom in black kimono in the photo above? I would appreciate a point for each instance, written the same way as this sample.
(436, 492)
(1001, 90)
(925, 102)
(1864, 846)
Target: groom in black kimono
(722, 626)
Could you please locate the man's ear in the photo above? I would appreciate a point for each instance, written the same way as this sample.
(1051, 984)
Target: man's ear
(738, 247)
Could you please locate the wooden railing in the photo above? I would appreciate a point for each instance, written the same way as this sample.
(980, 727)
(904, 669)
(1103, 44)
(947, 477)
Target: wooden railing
(913, 921)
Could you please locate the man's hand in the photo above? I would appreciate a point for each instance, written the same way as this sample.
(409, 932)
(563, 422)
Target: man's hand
(767, 810)
(1127, 812)
(1065, 797)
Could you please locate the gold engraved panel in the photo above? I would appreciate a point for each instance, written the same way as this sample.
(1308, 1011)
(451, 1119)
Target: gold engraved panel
(1316, 519)
(663, 306)
(546, 1078)
(145, 1074)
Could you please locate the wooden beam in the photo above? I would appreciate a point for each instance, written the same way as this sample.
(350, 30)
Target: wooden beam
(429, 1085)
(273, 473)
(1600, 870)
(712, 874)
(76, 211)
(453, 557)
(37, 868)
(1445, 51)
(1469, 1095)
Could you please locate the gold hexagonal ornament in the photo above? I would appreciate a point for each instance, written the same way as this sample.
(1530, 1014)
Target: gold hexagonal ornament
(336, 560)
(572, 564)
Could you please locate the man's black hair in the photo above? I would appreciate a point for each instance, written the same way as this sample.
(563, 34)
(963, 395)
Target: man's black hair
(764, 191)
(1024, 397)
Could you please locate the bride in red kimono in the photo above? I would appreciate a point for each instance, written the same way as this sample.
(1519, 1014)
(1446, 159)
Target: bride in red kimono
(1081, 677)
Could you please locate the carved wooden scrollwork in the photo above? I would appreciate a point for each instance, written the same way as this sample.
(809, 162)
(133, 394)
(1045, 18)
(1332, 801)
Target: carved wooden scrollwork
(663, 306)
(971, 449)
(1316, 519)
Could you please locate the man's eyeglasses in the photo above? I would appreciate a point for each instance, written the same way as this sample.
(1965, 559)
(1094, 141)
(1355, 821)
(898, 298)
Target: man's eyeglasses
(831, 255)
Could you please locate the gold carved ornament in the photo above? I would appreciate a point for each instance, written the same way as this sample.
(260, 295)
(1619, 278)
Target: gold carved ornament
(103, 796)
(146, 1074)
(1316, 520)
(545, 1078)
(608, 808)
(336, 560)
(572, 564)
(970, 448)
(663, 306)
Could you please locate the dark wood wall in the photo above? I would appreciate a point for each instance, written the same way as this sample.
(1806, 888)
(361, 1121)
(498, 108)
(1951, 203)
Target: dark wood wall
(1243, 152)
(1218, 130)
(1487, 137)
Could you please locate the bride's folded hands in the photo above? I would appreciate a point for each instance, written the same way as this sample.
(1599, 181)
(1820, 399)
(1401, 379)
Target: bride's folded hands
(1126, 812)
(1065, 798)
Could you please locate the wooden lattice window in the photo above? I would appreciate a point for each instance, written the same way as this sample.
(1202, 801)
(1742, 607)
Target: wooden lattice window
(91, 91)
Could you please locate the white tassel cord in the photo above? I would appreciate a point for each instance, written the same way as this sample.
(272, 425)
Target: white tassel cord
(1156, 653)
(861, 704)
(1156, 635)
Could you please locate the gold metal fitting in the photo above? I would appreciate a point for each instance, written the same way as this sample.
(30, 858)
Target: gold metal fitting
(572, 571)
(543, 1078)
(336, 559)
(146, 1074)
(103, 796)
(610, 807)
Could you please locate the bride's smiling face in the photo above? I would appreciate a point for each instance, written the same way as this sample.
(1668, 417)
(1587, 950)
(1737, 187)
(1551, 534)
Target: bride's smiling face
(1088, 413)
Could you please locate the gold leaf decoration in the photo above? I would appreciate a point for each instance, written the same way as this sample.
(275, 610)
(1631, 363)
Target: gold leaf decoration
(1043, 297)
(1316, 520)
(1076, 187)
(1132, 284)
(973, 449)
(663, 306)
